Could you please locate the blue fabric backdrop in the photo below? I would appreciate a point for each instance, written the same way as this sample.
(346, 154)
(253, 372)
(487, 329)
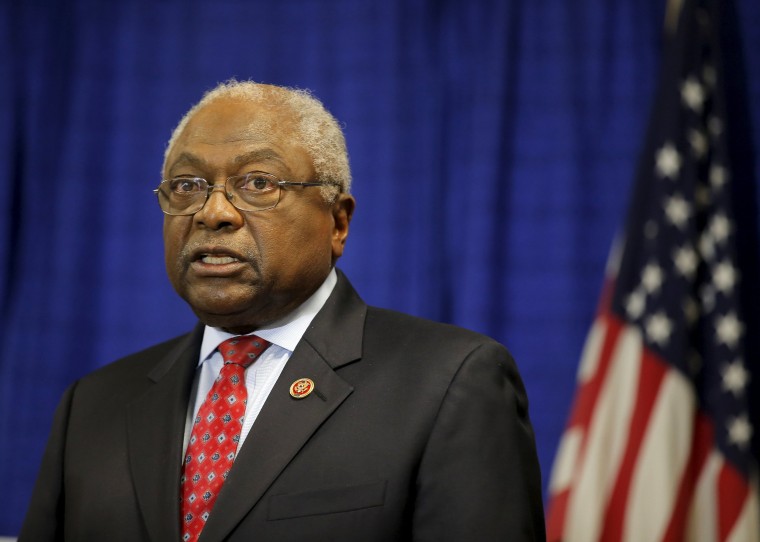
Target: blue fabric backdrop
(493, 144)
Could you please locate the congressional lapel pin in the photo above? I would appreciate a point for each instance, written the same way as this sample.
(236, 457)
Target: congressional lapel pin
(301, 388)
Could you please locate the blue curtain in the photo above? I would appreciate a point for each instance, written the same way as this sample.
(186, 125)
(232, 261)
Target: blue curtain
(493, 144)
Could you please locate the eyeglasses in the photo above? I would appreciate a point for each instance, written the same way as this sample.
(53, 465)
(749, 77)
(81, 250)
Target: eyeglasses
(255, 191)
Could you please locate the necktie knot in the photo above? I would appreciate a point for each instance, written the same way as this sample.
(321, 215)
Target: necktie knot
(242, 350)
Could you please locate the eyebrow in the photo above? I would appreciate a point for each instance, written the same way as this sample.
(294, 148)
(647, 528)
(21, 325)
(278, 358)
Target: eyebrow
(186, 158)
(260, 155)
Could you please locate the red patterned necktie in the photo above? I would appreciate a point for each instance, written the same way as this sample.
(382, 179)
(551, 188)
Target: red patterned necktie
(216, 434)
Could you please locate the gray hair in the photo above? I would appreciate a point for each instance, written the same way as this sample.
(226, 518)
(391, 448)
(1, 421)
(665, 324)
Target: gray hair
(316, 130)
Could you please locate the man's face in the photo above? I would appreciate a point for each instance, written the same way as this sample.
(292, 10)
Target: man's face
(243, 270)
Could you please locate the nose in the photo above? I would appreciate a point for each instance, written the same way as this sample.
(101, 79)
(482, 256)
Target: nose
(218, 212)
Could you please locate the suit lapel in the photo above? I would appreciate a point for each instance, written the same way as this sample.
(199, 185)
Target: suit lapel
(155, 431)
(285, 424)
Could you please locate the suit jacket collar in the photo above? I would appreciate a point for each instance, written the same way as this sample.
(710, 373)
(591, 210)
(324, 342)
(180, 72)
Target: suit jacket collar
(156, 421)
(336, 333)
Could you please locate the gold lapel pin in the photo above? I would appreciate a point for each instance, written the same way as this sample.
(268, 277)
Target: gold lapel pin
(301, 388)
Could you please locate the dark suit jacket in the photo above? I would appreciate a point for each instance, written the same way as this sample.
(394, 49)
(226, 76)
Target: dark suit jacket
(416, 431)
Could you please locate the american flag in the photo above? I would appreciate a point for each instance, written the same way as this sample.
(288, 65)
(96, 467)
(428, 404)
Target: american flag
(658, 444)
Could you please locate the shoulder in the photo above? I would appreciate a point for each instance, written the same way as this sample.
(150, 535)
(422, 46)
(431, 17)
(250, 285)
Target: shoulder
(417, 351)
(399, 330)
(136, 367)
(390, 326)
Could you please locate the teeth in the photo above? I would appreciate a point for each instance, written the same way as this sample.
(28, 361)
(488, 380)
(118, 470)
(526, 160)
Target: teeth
(218, 260)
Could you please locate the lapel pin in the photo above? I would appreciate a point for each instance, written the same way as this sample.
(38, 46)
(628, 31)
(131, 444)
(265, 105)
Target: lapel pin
(301, 388)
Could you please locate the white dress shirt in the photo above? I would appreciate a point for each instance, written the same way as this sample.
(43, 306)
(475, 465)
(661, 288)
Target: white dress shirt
(261, 375)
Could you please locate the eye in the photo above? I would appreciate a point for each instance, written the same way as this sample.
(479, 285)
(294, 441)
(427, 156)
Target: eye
(187, 185)
(256, 183)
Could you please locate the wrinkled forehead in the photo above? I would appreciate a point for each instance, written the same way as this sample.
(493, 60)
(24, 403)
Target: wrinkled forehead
(226, 121)
(233, 132)
(229, 120)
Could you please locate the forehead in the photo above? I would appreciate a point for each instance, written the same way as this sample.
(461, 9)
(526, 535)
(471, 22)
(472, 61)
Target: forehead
(228, 127)
(231, 119)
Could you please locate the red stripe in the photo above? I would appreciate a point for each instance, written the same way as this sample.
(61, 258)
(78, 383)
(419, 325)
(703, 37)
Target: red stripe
(555, 517)
(732, 491)
(588, 393)
(580, 417)
(702, 443)
(651, 375)
(605, 299)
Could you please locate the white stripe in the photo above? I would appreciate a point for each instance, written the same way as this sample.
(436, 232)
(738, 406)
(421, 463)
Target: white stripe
(606, 441)
(567, 454)
(702, 519)
(564, 463)
(569, 446)
(616, 255)
(592, 349)
(747, 528)
(661, 461)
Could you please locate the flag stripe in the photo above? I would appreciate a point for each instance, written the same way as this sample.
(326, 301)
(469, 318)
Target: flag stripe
(567, 457)
(702, 444)
(651, 374)
(555, 517)
(661, 460)
(606, 436)
(592, 351)
(599, 344)
(592, 382)
(732, 491)
(703, 512)
(745, 529)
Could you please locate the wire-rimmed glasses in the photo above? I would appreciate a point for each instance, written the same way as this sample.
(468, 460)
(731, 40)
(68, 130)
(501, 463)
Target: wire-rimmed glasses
(254, 191)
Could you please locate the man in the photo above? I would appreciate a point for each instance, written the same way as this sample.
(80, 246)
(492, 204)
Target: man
(355, 423)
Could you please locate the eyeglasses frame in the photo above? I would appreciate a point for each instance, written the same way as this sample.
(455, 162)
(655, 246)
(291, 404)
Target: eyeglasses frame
(231, 197)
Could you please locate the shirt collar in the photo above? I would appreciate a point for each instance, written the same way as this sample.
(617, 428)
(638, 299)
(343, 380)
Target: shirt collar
(284, 333)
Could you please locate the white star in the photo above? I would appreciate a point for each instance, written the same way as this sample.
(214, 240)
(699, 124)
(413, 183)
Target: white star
(707, 246)
(729, 329)
(686, 261)
(718, 176)
(692, 94)
(707, 296)
(668, 161)
(740, 431)
(725, 276)
(735, 378)
(677, 210)
(658, 328)
(698, 142)
(720, 228)
(635, 304)
(651, 277)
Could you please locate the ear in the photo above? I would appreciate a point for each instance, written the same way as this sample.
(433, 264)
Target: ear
(342, 211)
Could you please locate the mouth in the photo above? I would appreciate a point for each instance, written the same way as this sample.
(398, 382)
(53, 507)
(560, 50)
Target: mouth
(215, 255)
(216, 261)
(212, 259)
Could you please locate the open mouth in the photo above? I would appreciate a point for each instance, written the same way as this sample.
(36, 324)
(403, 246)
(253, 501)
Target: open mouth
(217, 260)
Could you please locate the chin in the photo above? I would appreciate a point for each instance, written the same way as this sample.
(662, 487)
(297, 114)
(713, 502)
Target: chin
(220, 310)
(236, 322)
